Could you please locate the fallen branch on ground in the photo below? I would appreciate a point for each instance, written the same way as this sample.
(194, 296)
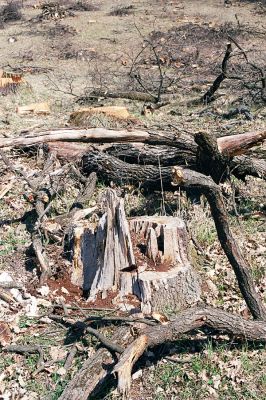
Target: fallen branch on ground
(186, 178)
(98, 368)
(231, 145)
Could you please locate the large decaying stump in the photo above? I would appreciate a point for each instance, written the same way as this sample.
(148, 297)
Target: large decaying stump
(146, 257)
(165, 278)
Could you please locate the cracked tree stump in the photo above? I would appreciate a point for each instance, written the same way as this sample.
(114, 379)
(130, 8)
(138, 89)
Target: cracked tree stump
(146, 257)
(101, 251)
(166, 279)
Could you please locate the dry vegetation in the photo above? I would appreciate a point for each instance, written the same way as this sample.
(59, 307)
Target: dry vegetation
(74, 54)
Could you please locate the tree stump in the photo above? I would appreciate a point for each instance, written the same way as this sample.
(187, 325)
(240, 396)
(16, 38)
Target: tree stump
(166, 279)
(146, 257)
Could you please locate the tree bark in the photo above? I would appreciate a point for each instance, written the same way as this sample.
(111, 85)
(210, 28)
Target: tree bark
(109, 168)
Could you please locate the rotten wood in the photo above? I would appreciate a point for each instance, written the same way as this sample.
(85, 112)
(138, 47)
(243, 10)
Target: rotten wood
(165, 275)
(186, 178)
(101, 252)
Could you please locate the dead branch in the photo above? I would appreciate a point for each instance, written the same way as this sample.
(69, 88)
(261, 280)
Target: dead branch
(97, 369)
(227, 144)
(129, 357)
(6, 297)
(190, 179)
(94, 371)
(261, 71)
(70, 357)
(85, 194)
(10, 285)
(208, 96)
(185, 322)
(23, 349)
(110, 345)
(132, 95)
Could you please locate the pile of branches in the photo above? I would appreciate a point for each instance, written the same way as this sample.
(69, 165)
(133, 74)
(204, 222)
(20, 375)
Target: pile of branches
(10, 12)
(210, 162)
(54, 11)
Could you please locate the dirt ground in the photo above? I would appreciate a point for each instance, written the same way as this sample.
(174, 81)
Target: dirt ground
(63, 58)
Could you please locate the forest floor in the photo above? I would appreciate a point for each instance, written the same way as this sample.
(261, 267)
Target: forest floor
(93, 45)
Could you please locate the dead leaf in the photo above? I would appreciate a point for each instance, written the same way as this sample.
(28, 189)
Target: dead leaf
(160, 318)
(43, 290)
(5, 334)
(61, 371)
(57, 353)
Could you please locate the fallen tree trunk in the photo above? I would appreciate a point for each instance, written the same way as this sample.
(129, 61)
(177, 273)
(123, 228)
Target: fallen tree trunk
(186, 178)
(226, 144)
(139, 153)
(109, 168)
(154, 177)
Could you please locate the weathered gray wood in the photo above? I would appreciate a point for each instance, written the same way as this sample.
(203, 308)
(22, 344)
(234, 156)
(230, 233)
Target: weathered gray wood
(101, 252)
(173, 283)
(104, 259)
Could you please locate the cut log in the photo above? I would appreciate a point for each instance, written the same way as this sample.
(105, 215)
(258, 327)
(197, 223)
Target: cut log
(109, 168)
(35, 108)
(80, 116)
(138, 153)
(147, 258)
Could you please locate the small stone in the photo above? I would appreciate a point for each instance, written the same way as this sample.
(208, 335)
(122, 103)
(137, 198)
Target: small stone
(64, 290)
(11, 40)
